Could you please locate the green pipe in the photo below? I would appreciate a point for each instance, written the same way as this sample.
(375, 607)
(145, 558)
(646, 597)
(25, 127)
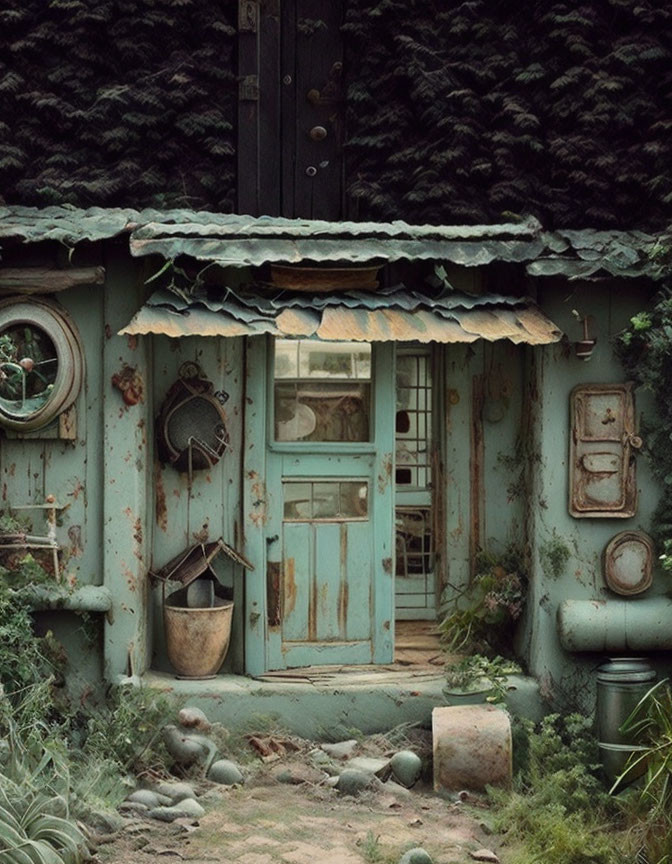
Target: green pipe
(616, 625)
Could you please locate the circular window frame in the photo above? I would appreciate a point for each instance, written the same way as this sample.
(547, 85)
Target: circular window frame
(57, 324)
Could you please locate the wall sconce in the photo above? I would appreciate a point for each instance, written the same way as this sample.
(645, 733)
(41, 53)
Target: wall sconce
(583, 348)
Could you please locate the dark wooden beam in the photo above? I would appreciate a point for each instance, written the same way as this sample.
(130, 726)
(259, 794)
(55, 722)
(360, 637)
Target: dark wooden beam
(47, 280)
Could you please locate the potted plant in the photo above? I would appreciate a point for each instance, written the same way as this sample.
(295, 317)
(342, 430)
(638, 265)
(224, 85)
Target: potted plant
(476, 679)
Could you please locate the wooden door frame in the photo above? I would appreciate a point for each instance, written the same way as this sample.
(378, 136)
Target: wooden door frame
(259, 498)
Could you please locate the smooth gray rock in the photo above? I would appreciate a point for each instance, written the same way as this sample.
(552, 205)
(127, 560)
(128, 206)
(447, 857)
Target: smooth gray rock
(406, 767)
(175, 791)
(416, 856)
(368, 764)
(189, 807)
(193, 718)
(352, 782)
(132, 807)
(187, 747)
(147, 797)
(396, 789)
(225, 772)
(165, 814)
(341, 749)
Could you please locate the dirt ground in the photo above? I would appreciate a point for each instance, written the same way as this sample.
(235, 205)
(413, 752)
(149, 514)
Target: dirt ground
(266, 821)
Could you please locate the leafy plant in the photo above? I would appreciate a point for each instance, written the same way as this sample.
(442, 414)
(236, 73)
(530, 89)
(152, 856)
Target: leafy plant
(558, 812)
(645, 349)
(480, 618)
(35, 822)
(477, 672)
(127, 729)
(651, 725)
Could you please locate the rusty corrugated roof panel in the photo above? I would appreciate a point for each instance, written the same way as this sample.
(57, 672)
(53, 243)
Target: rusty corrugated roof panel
(392, 315)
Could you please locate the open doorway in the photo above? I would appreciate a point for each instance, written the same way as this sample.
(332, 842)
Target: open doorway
(415, 505)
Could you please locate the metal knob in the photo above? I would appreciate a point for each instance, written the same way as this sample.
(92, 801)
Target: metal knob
(318, 133)
(311, 171)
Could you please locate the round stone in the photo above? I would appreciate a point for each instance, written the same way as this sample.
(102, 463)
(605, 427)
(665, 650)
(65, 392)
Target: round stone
(144, 796)
(193, 718)
(416, 856)
(406, 767)
(175, 791)
(352, 782)
(225, 772)
(165, 814)
(189, 807)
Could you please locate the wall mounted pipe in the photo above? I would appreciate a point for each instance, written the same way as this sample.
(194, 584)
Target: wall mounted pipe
(87, 598)
(616, 625)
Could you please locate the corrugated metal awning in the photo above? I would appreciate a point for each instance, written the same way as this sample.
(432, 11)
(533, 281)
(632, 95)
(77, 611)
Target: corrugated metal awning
(239, 240)
(392, 314)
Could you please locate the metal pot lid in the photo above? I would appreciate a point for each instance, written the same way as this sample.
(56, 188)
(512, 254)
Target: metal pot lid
(622, 669)
(628, 563)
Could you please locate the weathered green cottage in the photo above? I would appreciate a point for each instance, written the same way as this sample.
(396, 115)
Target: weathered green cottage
(355, 407)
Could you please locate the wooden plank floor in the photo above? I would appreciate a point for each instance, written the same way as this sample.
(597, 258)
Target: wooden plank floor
(418, 654)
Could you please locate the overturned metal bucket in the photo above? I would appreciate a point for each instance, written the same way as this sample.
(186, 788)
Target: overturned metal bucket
(197, 640)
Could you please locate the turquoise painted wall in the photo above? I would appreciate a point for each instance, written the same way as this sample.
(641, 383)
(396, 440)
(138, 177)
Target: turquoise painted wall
(569, 679)
(126, 513)
(178, 518)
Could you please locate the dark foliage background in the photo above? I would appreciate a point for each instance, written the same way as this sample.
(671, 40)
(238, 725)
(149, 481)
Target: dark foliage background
(461, 111)
(118, 102)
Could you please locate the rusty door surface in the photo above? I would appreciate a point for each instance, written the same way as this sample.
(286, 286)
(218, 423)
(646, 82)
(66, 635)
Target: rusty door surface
(330, 464)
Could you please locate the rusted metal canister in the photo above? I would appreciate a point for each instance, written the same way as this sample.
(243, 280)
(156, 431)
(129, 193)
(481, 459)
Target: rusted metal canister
(197, 640)
(621, 683)
(472, 747)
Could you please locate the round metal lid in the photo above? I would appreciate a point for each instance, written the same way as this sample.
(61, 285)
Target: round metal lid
(628, 563)
(623, 669)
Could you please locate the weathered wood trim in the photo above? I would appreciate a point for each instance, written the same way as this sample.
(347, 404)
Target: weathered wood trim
(127, 475)
(255, 503)
(47, 280)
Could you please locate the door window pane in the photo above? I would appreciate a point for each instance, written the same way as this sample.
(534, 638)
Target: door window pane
(312, 500)
(322, 391)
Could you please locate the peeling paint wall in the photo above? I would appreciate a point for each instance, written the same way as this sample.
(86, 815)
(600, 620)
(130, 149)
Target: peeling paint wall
(569, 679)
(178, 519)
(483, 466)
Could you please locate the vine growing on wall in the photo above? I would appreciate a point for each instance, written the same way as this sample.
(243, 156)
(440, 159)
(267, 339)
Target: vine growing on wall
(128, 103)
(645, 349)
(462, 111)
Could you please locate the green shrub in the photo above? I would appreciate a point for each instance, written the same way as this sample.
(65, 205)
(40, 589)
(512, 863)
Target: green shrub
(558, 811)
(649, 809)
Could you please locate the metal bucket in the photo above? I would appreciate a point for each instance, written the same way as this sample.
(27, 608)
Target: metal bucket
(197, 639)
(621, 683)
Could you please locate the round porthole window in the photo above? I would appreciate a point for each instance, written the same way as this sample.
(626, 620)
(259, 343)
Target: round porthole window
(41, 363)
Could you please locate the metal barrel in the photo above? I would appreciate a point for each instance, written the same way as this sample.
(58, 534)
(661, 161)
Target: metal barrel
(621, 683)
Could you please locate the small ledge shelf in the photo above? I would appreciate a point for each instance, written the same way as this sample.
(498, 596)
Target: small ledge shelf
(88, 598)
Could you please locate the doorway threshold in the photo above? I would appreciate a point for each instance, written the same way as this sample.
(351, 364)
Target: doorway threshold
(328, 705)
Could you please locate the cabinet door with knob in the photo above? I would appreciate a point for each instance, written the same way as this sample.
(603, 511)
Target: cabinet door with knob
(602, 446)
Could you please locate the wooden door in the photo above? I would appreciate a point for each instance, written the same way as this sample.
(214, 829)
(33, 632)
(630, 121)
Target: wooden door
(330, 476)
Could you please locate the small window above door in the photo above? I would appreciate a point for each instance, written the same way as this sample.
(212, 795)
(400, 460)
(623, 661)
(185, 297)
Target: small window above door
(322, 390)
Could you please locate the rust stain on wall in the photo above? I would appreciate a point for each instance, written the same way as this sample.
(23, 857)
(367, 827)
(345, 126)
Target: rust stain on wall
(385, 474)
(343, 590)
(160, 504)
(273, 610)
(289, 585)
(75, 536)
